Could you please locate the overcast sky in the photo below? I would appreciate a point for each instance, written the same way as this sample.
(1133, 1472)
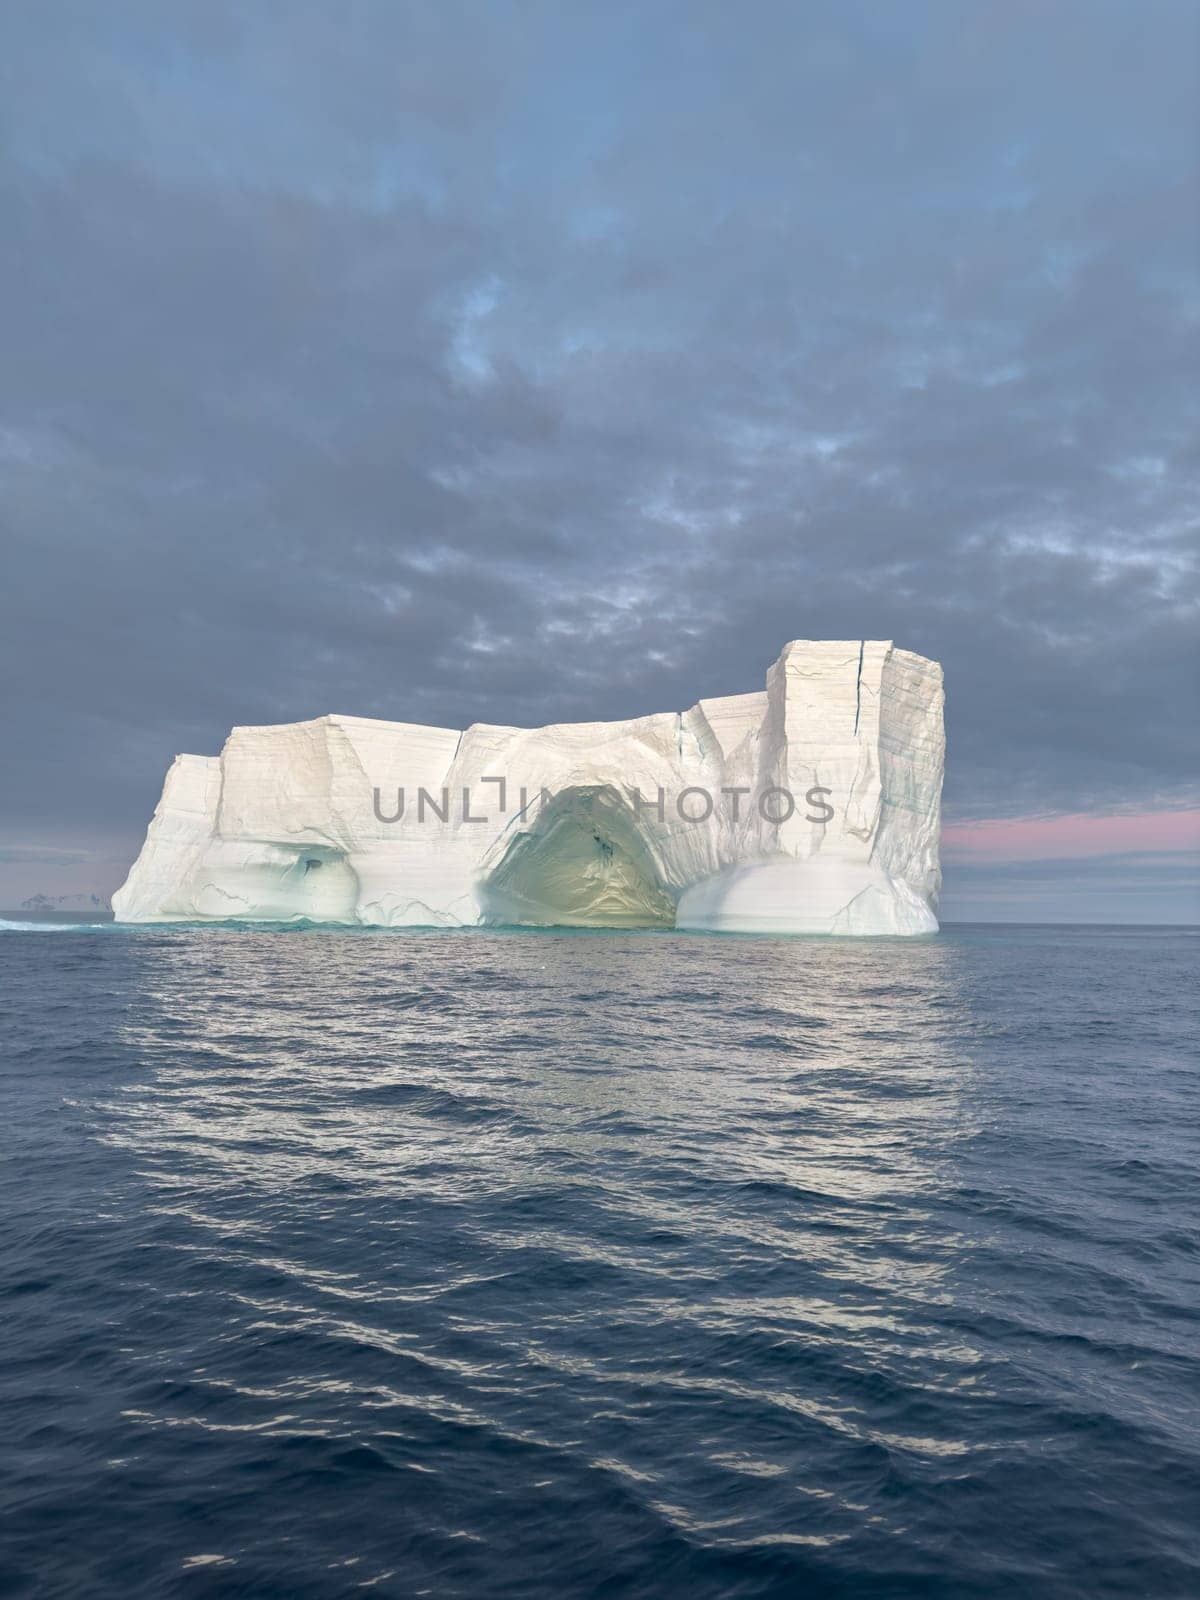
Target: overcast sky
(523, 363)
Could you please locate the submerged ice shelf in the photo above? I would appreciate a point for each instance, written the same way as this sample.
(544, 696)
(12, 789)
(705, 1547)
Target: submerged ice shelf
(812, 806)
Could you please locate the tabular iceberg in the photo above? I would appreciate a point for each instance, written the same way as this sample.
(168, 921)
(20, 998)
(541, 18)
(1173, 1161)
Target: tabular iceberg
(810, 807)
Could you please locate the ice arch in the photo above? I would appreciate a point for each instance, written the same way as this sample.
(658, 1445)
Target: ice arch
(275, 883)
(584, 864)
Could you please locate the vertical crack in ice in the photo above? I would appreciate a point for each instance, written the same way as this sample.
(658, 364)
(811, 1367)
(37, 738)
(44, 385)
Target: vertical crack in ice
(858, 686)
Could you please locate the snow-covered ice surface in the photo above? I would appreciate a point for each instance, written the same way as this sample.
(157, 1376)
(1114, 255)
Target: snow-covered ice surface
(818, 799)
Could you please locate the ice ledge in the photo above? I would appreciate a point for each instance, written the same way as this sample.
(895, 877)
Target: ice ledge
(812, 806)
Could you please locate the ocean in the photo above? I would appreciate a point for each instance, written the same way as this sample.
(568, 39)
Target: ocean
(567, 1265)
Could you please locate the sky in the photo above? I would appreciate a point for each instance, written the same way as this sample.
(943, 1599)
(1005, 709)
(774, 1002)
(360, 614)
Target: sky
(559, 361)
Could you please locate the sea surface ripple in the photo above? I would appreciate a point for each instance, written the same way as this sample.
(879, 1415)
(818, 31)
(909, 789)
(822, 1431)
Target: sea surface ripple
(558, 1265)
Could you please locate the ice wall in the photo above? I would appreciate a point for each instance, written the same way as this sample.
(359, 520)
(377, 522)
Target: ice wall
(812, 807)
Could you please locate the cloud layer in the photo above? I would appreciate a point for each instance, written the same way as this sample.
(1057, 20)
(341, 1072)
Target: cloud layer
(536, 363)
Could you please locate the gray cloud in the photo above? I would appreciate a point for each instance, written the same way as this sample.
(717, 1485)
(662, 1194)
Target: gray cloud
(41, 855)
(488, 364)
(1146, 886)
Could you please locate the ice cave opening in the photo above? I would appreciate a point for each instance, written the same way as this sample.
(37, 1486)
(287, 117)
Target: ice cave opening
(584, 864)
(274, 882)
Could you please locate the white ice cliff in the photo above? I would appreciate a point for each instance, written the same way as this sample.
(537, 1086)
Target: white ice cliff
(811, 807)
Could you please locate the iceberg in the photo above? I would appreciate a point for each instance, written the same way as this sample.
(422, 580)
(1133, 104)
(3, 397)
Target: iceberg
(812, 806)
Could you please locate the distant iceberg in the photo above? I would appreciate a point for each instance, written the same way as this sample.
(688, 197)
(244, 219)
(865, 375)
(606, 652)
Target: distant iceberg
(810, 807)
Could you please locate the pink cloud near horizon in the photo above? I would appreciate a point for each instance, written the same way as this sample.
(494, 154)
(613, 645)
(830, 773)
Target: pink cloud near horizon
(1071, 836)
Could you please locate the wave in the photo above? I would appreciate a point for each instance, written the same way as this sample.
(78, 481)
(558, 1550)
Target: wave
(48, 927)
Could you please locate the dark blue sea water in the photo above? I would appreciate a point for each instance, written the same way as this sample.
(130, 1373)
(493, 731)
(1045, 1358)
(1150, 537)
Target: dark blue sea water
(557, 1265)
